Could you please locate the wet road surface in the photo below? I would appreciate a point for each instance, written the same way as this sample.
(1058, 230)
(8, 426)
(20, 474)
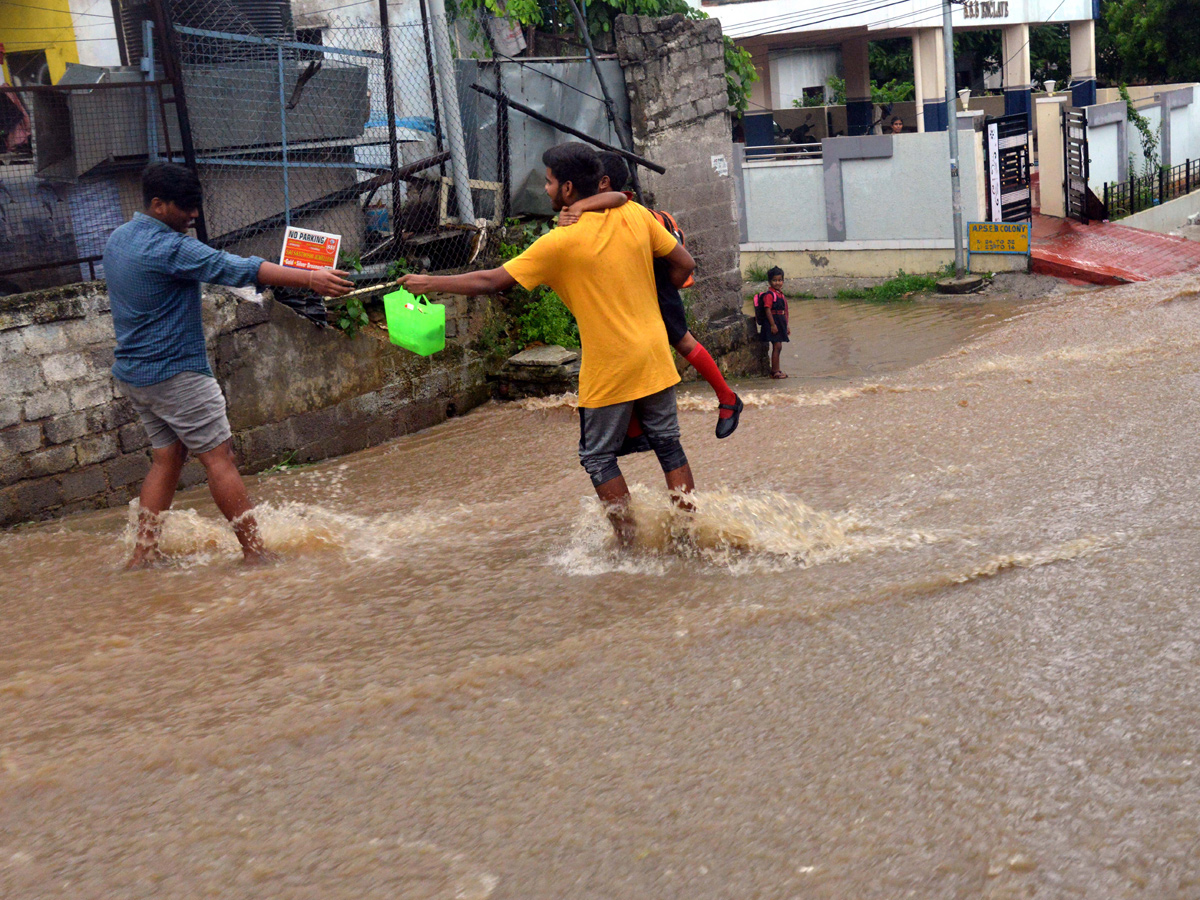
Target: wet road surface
(934, 631)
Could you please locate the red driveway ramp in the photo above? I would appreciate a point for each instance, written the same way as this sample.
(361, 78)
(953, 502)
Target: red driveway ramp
(1105, 253)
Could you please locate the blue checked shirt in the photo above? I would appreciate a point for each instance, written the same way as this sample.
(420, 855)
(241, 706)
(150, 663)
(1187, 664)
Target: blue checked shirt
(154, 276)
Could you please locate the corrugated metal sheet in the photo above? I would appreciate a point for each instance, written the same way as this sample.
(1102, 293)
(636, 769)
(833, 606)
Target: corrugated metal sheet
(573, 99)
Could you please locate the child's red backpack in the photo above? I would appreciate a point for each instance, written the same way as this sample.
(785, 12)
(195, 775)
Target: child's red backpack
(763, 301)
(667, 221)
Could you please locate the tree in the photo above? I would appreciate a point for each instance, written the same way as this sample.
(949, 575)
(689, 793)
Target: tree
(1049, 54)
(1148, 41)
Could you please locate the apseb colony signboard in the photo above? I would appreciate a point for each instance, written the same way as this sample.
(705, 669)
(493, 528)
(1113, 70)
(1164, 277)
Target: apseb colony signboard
(998, 237)
(304, 249)
(1007, 238)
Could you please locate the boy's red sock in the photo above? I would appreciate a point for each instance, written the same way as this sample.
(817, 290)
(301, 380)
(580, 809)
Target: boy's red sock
(703, 363)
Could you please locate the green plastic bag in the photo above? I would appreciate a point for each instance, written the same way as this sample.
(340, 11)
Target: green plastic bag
(414, 323)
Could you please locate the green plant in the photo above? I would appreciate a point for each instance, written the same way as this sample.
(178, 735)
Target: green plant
(351, 316)
(740, 74)
(398, 267)
(518, 237)
(893, 91)
(837, 88)
(809, 100)
(494, 337)
(546, 320)
(352, 262)
(756, 273)
(285, 465)
(1148, 136)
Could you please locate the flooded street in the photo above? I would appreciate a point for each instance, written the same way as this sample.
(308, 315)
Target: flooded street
(934, 632)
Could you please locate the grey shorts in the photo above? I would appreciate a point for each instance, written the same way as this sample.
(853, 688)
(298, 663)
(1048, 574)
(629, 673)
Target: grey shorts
(603, 429)
(188, 407)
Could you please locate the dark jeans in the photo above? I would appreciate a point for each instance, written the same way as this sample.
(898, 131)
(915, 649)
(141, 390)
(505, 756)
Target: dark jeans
(602, 430)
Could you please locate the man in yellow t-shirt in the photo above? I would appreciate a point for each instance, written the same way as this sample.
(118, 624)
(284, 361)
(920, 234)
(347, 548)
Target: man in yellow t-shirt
(603, 269)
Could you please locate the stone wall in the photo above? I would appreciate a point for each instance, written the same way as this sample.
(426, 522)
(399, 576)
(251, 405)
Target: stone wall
(69, 442)
(675, 79)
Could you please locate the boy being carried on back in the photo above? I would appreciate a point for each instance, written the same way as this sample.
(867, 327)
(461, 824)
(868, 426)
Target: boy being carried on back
(670, 303)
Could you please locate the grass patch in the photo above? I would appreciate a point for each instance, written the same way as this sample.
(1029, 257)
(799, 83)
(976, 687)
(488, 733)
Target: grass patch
(756, 273)
(899, 288)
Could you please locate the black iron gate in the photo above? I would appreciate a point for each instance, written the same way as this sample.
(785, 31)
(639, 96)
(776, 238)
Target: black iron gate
(1075, 162)
(1008, 168)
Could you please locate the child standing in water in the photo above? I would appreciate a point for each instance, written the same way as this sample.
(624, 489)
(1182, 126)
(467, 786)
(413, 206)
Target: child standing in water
(670, 303)
(771, 312)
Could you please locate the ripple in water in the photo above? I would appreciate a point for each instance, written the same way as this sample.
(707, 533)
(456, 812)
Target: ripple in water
(759, 399)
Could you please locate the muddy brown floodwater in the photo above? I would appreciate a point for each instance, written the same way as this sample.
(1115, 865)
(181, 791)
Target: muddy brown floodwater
(938, 636)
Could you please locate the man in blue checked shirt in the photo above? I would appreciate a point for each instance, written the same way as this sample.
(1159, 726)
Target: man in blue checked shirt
(154, 270)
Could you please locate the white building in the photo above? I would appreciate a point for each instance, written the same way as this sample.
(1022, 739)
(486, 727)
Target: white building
(793, 43)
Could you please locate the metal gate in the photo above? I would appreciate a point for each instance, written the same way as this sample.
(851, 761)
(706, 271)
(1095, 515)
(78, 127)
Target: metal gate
(1076, 166)
(1008, 168)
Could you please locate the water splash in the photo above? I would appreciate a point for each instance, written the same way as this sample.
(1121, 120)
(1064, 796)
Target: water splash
(739, 532)
(569, 400)
(289, 529)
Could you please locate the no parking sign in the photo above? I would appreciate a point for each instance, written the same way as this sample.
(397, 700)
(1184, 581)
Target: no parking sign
(304, 249)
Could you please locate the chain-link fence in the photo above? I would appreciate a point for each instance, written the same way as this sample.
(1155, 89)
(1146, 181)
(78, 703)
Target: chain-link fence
(339, 125)
(70, 158)
(332, 124)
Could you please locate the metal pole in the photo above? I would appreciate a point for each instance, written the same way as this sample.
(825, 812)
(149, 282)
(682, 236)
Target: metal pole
(502, 158)
(952, 127)
(389, 96)
(433, 98)
(148, 70)
(287, 198)
(626, 139)
(451, 114)
(171, 68)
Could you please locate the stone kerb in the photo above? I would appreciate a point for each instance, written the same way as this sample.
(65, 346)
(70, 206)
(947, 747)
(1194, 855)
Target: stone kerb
(675, 78)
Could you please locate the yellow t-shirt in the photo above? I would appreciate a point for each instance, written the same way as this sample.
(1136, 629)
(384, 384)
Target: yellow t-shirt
(603, 269)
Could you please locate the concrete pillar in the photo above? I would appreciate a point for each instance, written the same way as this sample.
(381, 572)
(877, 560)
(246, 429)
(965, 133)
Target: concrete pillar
(859, 111)
(1083, 63)
(929, 76)
(1052, 181)
(1018, 89)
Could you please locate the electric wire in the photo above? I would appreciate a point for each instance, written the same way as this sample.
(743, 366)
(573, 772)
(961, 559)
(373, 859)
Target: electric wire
(816, 11)
(800, 23)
